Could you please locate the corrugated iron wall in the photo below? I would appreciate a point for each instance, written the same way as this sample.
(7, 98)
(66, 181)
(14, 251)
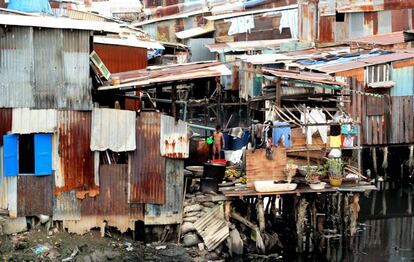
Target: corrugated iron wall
(148, 167)
(77, 160)
(113, 197)
(47, 68)
(5, 122)
(121, 58)
(402, 117)
(170, 212)
(67, 207)
(35, 195)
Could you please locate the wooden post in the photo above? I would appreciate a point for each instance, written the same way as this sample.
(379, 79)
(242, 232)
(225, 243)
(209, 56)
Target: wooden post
(278, 91)
(173, 100)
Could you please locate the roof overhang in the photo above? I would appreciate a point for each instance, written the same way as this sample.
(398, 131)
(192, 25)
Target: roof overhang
(59, 23)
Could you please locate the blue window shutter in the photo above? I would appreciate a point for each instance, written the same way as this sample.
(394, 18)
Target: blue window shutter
(43, 154)
(11, 153)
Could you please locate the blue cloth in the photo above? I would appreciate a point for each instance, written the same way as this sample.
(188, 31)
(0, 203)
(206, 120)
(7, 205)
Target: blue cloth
(283, 129)
(30, 6)
(346, 129)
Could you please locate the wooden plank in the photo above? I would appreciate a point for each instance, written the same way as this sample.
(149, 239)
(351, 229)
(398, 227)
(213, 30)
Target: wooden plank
(258, 167)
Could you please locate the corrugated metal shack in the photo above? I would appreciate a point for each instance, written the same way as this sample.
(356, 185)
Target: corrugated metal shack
(379, 96)
(332, 21)
(80, 158)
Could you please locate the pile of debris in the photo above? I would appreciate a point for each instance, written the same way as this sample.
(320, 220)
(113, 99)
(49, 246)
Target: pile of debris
(215, 231)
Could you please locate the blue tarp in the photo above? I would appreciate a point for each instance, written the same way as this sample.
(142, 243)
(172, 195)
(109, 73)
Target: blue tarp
(30, 6)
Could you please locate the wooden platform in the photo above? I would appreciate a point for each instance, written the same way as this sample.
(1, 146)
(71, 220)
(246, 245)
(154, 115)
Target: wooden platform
(243, 192)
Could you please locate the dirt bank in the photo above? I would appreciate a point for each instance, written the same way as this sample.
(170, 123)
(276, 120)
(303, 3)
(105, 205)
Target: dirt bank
(36, 245)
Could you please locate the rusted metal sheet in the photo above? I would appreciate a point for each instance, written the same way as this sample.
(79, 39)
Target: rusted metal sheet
(77, 160)
(148, 167)
(35, 195)
(326, 29)
(5, 122)
(174, 140)
(402, 130)
(67, 207)
(307, 21)
(121, 58)
(136, 212)
(400, 20)
(113, 198)
(381, 40)
(170, 212)
(110, 207)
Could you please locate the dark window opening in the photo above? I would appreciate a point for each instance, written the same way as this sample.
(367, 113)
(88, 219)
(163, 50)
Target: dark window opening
(340, 17)
(26, 154)
(109, 157)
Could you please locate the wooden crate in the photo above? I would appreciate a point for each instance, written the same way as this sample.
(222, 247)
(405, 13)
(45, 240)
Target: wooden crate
(258, 167)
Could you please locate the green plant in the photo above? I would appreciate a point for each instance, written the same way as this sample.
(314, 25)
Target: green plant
(335, 168)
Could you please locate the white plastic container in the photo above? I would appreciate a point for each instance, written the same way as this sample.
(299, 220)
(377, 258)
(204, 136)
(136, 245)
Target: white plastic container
(318, 186)
(270, 186)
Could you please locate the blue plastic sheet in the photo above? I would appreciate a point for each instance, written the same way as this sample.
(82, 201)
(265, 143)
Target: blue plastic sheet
(30, 6)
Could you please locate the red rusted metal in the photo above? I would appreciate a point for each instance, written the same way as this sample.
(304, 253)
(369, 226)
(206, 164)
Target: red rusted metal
(382, 40)
(326, 27)
(148, 167)
(35, 195)
(77, 160)
(113, 197)
(400, 20)
(121, 58)
(5, 122)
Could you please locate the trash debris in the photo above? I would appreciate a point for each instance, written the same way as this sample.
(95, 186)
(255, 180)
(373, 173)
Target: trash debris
(128, 246)
(160, 247)
(72, 256)
(39, 249)
(44, 219)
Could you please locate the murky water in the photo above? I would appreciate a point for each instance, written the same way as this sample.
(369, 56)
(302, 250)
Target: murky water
(386, 229)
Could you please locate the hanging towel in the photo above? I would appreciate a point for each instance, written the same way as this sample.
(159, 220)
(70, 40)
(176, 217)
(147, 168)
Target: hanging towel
(335, 141)
(281, 133)
(348, 141)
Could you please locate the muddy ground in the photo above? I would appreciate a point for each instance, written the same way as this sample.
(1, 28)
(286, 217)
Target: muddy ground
(89, 248)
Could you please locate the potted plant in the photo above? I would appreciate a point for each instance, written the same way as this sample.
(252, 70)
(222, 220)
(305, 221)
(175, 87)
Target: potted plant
(290, 170)
(312, 175)
(335, 169)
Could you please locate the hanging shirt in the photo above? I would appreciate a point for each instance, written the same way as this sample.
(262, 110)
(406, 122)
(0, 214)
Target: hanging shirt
(281, 133)
(315, 116)
(348, 141)
(335, 141)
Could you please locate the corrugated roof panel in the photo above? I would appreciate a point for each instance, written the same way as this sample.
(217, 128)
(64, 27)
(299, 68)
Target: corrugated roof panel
(384, 39)
(26, 121)
(76, 159)
(113, 129)
(60, 78)
(17, 68)
(174, 140)
(67, 207)
(6, 122)
(35, 195)
(170, 212)
(8, 190)
(148, 167)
